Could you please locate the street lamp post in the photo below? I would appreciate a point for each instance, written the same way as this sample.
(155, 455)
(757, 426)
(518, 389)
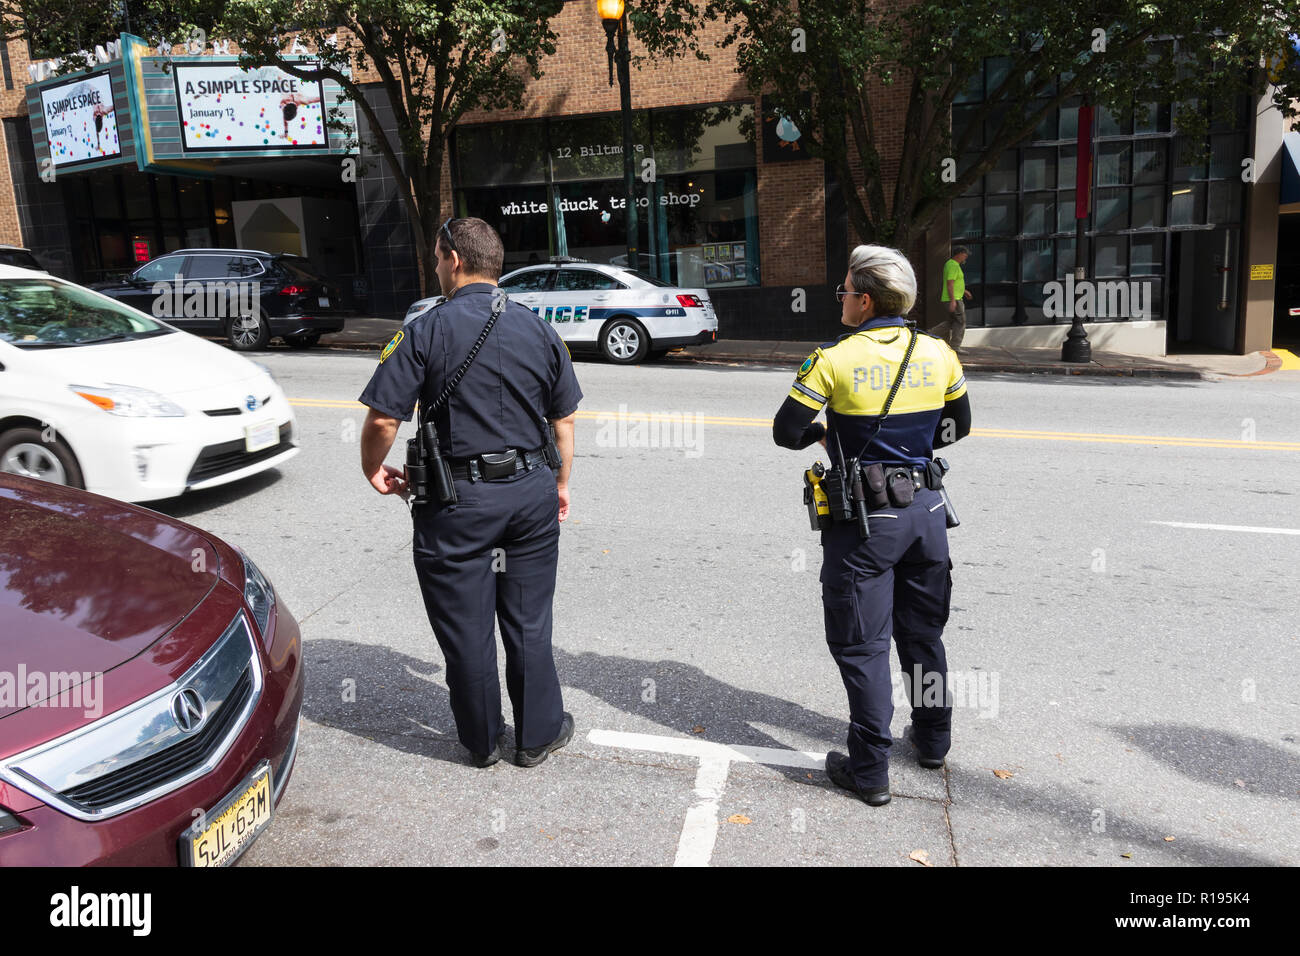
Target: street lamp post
(1076, 347)
(614, 17)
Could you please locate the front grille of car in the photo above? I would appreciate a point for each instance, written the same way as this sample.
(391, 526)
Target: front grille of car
(239, 410)
(230, 456)
(175, 761)
(131, 756)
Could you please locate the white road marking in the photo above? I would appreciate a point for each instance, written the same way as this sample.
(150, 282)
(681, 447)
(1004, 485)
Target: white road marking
(700, 831)
(1227, 527)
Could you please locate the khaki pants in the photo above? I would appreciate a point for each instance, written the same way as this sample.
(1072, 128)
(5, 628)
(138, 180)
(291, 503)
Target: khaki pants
(953, 328)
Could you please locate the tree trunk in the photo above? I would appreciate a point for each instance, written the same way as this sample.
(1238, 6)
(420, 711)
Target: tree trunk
(428, 226)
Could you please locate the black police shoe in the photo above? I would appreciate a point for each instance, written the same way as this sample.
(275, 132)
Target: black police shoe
(487, 760)
(928, 762)
(531, 758)
(837, 768)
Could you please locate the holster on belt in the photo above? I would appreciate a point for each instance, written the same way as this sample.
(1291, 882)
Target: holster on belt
(873, 477)
(902, 488)
(935, 472)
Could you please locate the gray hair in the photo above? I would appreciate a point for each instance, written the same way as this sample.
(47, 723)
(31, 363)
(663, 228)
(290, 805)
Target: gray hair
(885, 275)
(959, 250)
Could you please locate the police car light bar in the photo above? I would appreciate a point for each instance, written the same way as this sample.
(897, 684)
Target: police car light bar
(567, 259)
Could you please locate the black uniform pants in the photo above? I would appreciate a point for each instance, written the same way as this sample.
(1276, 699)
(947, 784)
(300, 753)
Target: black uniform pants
(493, 554)
(898, 581)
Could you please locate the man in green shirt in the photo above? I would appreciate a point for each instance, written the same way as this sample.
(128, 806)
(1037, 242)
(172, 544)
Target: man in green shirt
(954, 295)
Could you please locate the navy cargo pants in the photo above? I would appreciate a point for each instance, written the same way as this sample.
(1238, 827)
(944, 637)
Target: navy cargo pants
(897, 581)
(493, 555)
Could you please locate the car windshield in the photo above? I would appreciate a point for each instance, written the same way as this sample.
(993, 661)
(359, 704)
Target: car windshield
(647, 277)
(37, 313)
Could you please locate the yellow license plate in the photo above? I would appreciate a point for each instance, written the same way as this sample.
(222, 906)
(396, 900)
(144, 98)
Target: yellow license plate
(233, 824)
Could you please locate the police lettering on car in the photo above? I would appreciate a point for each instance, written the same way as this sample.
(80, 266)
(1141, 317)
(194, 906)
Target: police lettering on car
(490, 484)
(892, 395)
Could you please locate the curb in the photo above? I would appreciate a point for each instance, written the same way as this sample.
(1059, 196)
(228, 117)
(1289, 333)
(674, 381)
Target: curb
(1272, 364)
(1140, 371)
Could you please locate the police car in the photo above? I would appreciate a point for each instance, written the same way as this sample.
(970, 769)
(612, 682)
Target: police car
(624, 314)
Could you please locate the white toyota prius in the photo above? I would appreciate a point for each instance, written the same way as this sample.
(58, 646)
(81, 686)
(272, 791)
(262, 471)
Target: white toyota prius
(98, 395)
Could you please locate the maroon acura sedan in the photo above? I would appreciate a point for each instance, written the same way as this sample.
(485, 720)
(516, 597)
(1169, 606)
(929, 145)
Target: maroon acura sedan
(150, 686)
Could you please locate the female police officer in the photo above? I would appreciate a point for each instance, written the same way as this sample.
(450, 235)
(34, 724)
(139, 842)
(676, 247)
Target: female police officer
(898, 580)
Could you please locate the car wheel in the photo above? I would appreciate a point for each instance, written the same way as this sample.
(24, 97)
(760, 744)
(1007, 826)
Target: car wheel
(302, 341)
(624, 341)
(248, 332)
(24, 451)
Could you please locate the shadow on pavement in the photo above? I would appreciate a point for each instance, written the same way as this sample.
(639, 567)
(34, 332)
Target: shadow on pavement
(395, 701)
(197, 502)
(1219, 758)
(980, 792)
(399, 705)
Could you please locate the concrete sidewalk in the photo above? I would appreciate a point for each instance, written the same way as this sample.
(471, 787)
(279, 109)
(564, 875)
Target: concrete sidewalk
(373, 333)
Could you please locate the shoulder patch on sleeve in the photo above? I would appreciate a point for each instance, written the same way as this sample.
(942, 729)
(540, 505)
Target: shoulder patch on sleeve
(388, 349)
(807, 366)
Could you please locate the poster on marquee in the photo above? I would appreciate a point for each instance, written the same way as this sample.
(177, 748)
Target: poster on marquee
(225, 108)
(81, 120)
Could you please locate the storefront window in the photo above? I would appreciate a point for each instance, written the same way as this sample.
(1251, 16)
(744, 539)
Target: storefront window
(697, 216)
(501, 153)
(1153, 188)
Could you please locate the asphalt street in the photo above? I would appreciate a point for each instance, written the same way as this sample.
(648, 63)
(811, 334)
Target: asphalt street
(1132, 683)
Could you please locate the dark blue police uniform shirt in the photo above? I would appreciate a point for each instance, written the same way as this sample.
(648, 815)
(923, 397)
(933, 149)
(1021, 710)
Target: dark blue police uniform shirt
(522, 375)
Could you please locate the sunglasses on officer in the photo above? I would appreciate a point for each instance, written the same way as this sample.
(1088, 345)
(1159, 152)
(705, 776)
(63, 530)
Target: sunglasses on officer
(445, 230)
(840, 292)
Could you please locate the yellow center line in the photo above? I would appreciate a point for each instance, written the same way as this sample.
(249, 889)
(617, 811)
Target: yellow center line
(1023, 434)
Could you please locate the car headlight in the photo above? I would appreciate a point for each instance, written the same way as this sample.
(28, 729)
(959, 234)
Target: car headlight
(258, 593)
(129, 401)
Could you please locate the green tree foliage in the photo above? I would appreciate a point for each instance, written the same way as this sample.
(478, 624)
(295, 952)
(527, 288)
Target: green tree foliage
(860, 58)
(435, 59)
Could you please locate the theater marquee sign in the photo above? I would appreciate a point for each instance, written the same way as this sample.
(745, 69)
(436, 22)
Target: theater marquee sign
(180, 113)
(225, 108)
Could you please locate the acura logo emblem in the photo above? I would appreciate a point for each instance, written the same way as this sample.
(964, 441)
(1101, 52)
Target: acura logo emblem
(188, 709)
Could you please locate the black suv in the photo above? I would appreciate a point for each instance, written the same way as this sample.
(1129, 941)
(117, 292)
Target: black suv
(245, 295)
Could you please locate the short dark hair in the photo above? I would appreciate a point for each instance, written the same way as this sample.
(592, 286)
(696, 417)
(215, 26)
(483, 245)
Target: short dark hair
(958, 250)
(478, 246)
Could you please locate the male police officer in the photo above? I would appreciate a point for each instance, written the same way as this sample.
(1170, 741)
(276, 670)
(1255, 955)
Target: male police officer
(899, 579)
(494, 551)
